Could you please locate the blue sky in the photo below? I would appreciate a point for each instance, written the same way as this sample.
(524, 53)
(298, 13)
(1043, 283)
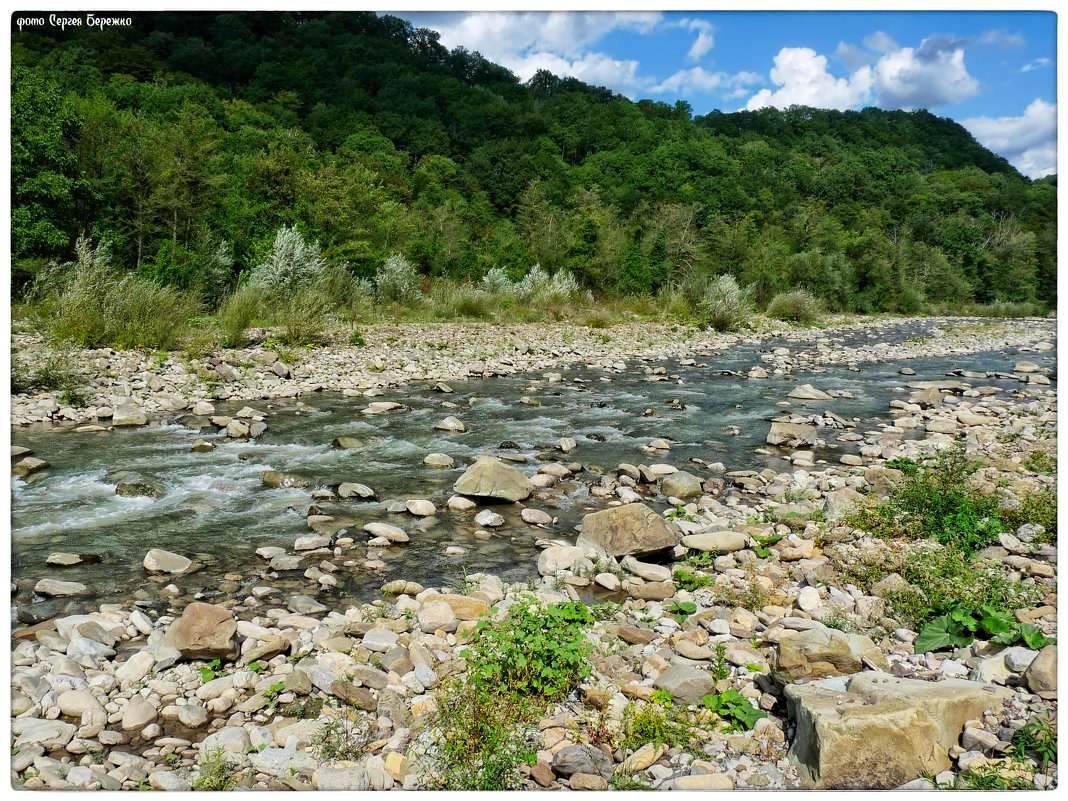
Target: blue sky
(992, 71)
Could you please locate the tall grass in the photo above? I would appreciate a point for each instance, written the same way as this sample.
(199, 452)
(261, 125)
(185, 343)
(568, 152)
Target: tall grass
(90, 304)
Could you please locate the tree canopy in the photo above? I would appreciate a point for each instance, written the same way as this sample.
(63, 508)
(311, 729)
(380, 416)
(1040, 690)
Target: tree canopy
(191, 130)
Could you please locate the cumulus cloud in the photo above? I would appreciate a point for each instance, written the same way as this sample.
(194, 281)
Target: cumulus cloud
(595, 68)
(883, 73)
(880, 42)
(852, 56)
(559, 41)
(932, 75)
(803, 78)
(698, 79)
(1028, 142)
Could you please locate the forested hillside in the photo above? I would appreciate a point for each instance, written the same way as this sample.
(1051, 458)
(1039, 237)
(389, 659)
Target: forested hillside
(190, 139)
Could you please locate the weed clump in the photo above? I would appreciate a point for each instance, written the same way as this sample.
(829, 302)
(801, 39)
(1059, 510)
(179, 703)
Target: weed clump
(936, 502)
(90, 304)
(537, 650)
(480, 738)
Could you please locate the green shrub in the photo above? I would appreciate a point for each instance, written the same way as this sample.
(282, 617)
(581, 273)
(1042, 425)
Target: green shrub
(726, 306)
(95, 306)
(540, 289)
(940, 578)
(480, 738)
(497, 282)
(537, 650)
(798, 306)
(239, 311)
(398, 280)
(291, 264)
(342, 739)
(735, 708)
(450, 302)
(962, 623)
(936, 502)
(302, 317)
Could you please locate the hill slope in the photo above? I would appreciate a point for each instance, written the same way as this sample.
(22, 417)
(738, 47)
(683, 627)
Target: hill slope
(191, 130)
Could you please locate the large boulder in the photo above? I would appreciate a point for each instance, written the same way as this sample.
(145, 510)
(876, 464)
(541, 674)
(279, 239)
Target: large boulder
(821, 652)
(681, 485)
(1041, 674)
(630, 529)
(876, 731)
(687, 685)
(842, 503)
(808, 392)
(724, 541)
(493, 479)
(128, 414)
(204, 631)
(792, 435)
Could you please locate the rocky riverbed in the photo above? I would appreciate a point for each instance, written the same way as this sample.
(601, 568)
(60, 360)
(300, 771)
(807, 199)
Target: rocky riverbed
(132, 388)
(803, 627)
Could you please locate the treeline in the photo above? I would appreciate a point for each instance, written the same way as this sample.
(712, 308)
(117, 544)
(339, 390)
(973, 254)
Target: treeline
(189, 141)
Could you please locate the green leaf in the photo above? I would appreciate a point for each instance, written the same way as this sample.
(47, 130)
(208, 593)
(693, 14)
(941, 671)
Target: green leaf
(995, 621)
(942, 632)
(1033, 636)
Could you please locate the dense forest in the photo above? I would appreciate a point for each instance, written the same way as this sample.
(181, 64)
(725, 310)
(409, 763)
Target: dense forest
(190, 139)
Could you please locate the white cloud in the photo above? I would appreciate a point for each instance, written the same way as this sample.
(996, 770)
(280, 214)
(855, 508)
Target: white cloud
(1038, 63)
(803, 78)
(698, 79)
(930, 76)
(701, 45)
(558, 41)
(852, 56)
(596, 68)
(704, 42)
(880, 42)
(508, 36)
(1028, 142)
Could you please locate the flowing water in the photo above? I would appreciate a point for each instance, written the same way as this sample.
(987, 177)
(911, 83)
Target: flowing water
(216, 509)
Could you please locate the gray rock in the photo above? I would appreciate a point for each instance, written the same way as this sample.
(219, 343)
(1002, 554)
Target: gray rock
(159, 561)
(491, 478)
(633, 528)
(341, 779)
(687, 685)
(681, 485)
(717, 541)
(582, 759)
(54, 588)
(379, 639)
(283, 762)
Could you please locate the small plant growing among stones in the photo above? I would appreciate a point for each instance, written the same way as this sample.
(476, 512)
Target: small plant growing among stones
(207, 672)
(480, 738)
(734, 708)
(537, 650)
(341, 739)
(720, 669)
(214, 773)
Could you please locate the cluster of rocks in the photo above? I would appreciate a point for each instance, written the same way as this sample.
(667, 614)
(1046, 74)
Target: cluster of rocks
(129, 388)
(121, 699)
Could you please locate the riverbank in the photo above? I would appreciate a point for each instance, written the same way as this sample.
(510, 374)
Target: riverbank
(148, 388)
(766, 586)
